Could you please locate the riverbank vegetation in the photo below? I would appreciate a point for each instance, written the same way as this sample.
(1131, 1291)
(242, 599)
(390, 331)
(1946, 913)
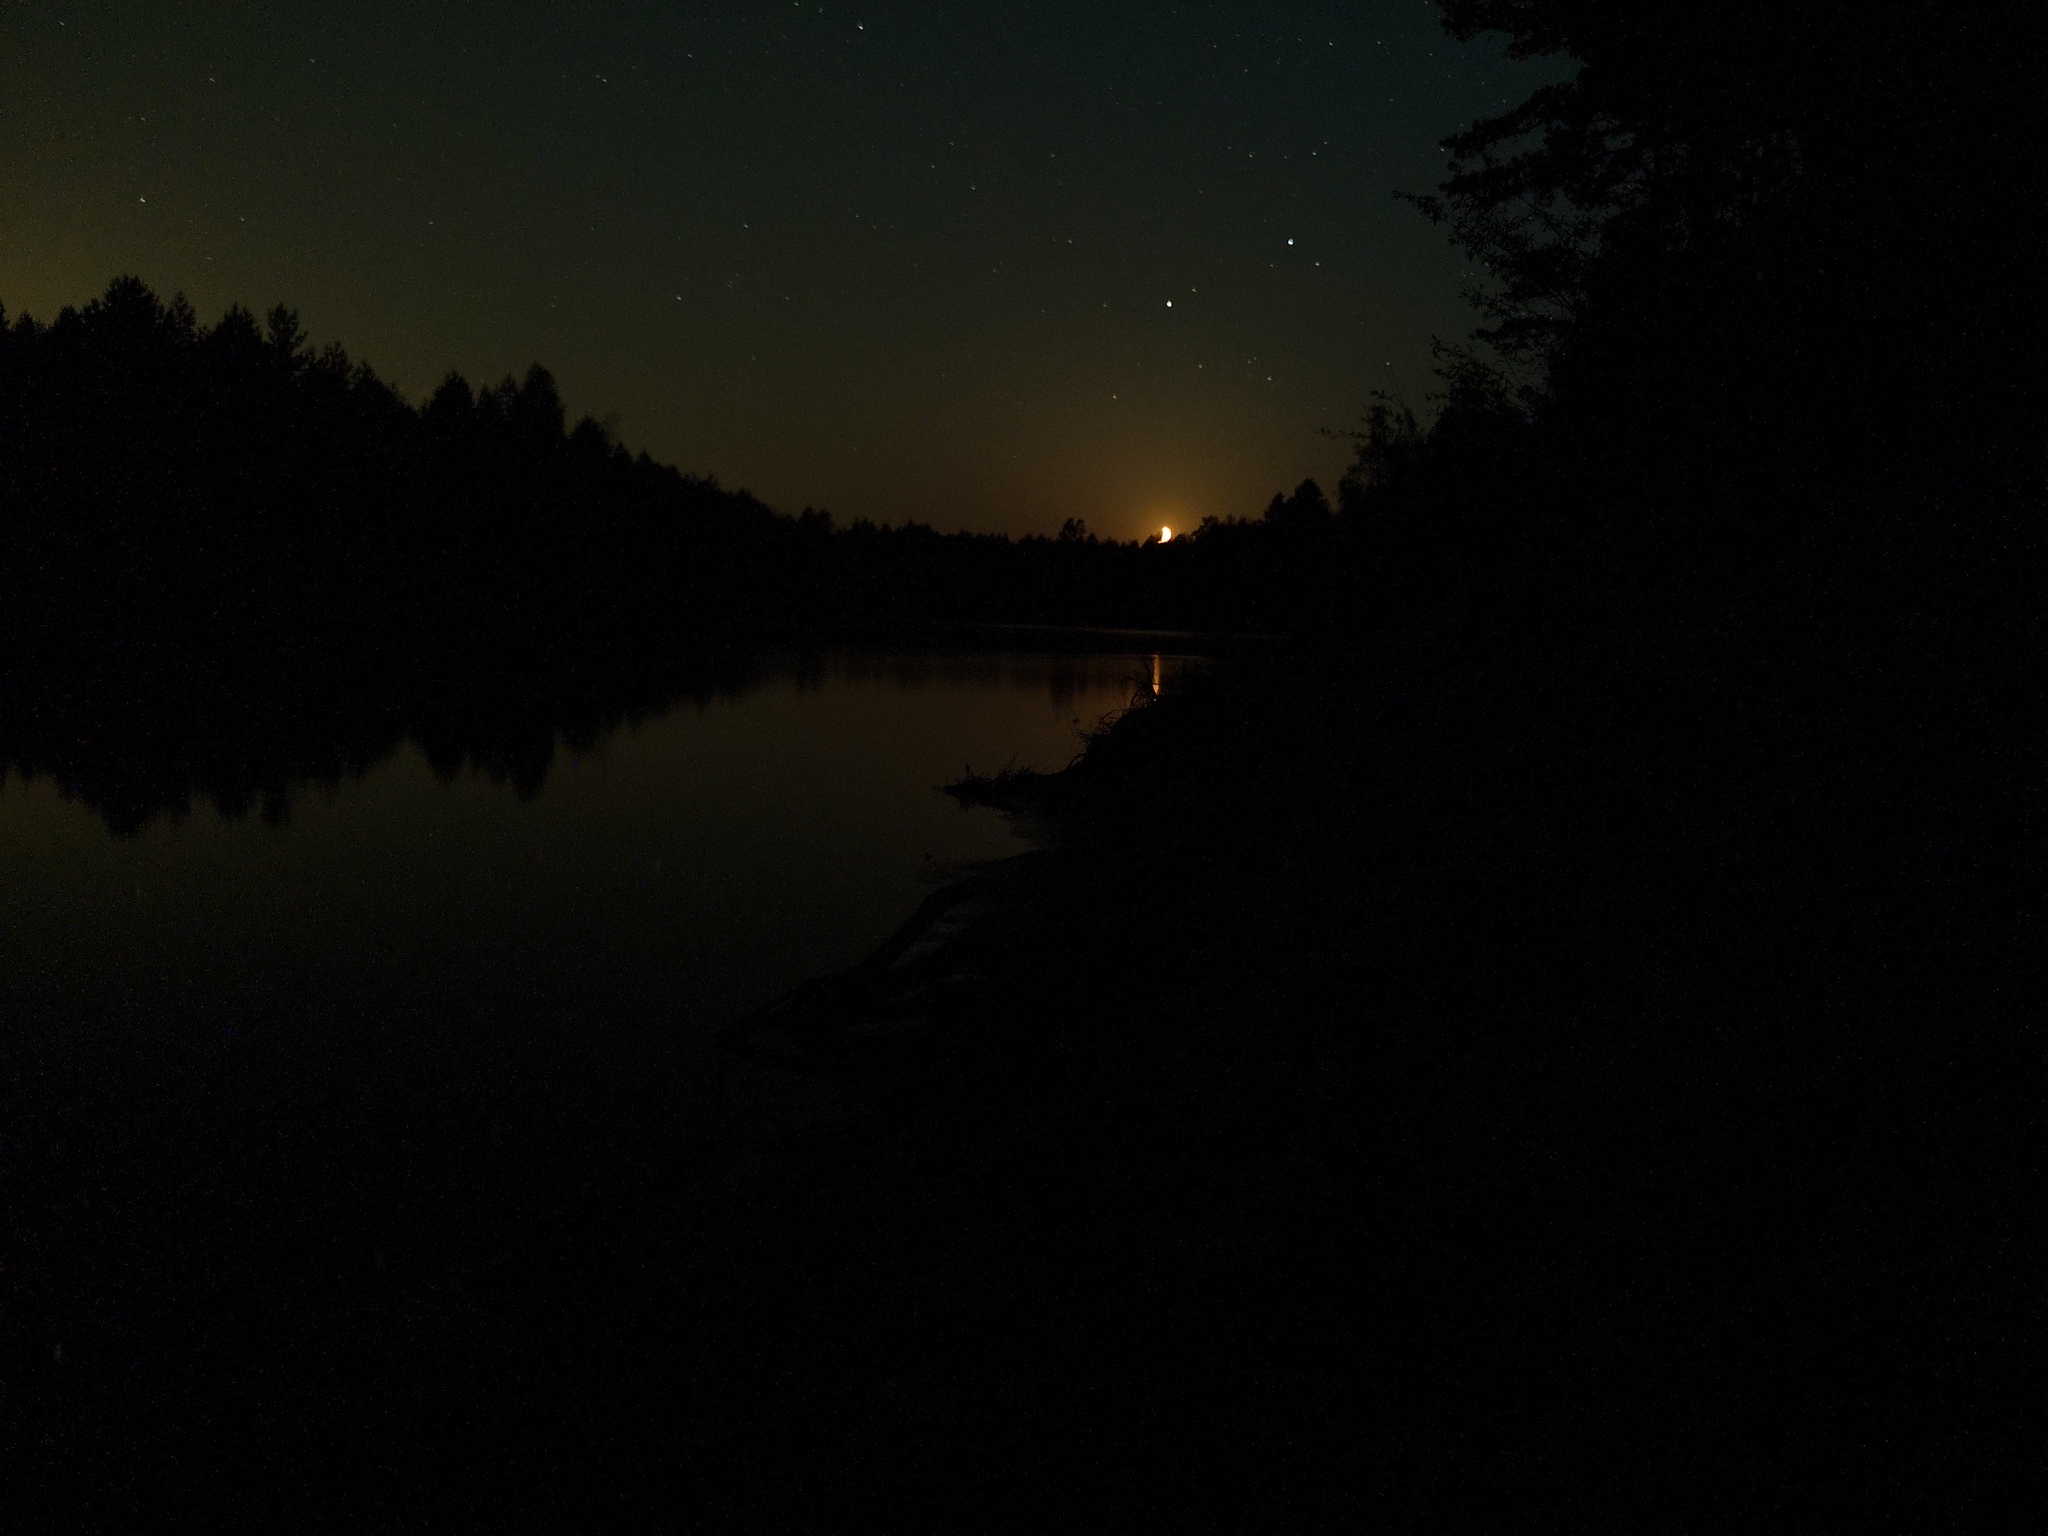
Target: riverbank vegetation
(1559, 1058)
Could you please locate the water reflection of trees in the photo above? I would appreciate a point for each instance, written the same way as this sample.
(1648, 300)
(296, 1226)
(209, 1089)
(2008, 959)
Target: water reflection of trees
(133, 753)
(250, 739)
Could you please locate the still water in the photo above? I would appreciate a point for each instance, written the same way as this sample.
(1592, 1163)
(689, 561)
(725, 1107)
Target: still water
(402, 925)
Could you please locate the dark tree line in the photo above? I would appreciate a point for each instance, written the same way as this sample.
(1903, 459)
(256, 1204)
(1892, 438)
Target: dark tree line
(1741, 475)
(1707, 707)
(202, 482)
(230, 480)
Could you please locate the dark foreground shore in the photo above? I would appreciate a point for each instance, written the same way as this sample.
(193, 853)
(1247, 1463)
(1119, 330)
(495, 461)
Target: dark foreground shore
(1589, 1093)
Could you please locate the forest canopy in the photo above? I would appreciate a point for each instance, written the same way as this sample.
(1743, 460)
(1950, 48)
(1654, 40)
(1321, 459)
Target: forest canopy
(234, 475)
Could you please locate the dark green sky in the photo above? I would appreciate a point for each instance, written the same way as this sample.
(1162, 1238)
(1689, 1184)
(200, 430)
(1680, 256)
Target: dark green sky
(988, 265)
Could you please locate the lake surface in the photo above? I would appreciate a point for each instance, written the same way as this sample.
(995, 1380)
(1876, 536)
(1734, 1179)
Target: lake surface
(346, 1093)
(408, 934)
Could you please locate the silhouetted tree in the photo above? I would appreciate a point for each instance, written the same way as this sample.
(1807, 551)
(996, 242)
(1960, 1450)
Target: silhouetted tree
(1306, 510)
(1741, 233)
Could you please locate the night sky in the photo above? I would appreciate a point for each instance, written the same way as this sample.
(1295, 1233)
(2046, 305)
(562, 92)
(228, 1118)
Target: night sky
(987, 266)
